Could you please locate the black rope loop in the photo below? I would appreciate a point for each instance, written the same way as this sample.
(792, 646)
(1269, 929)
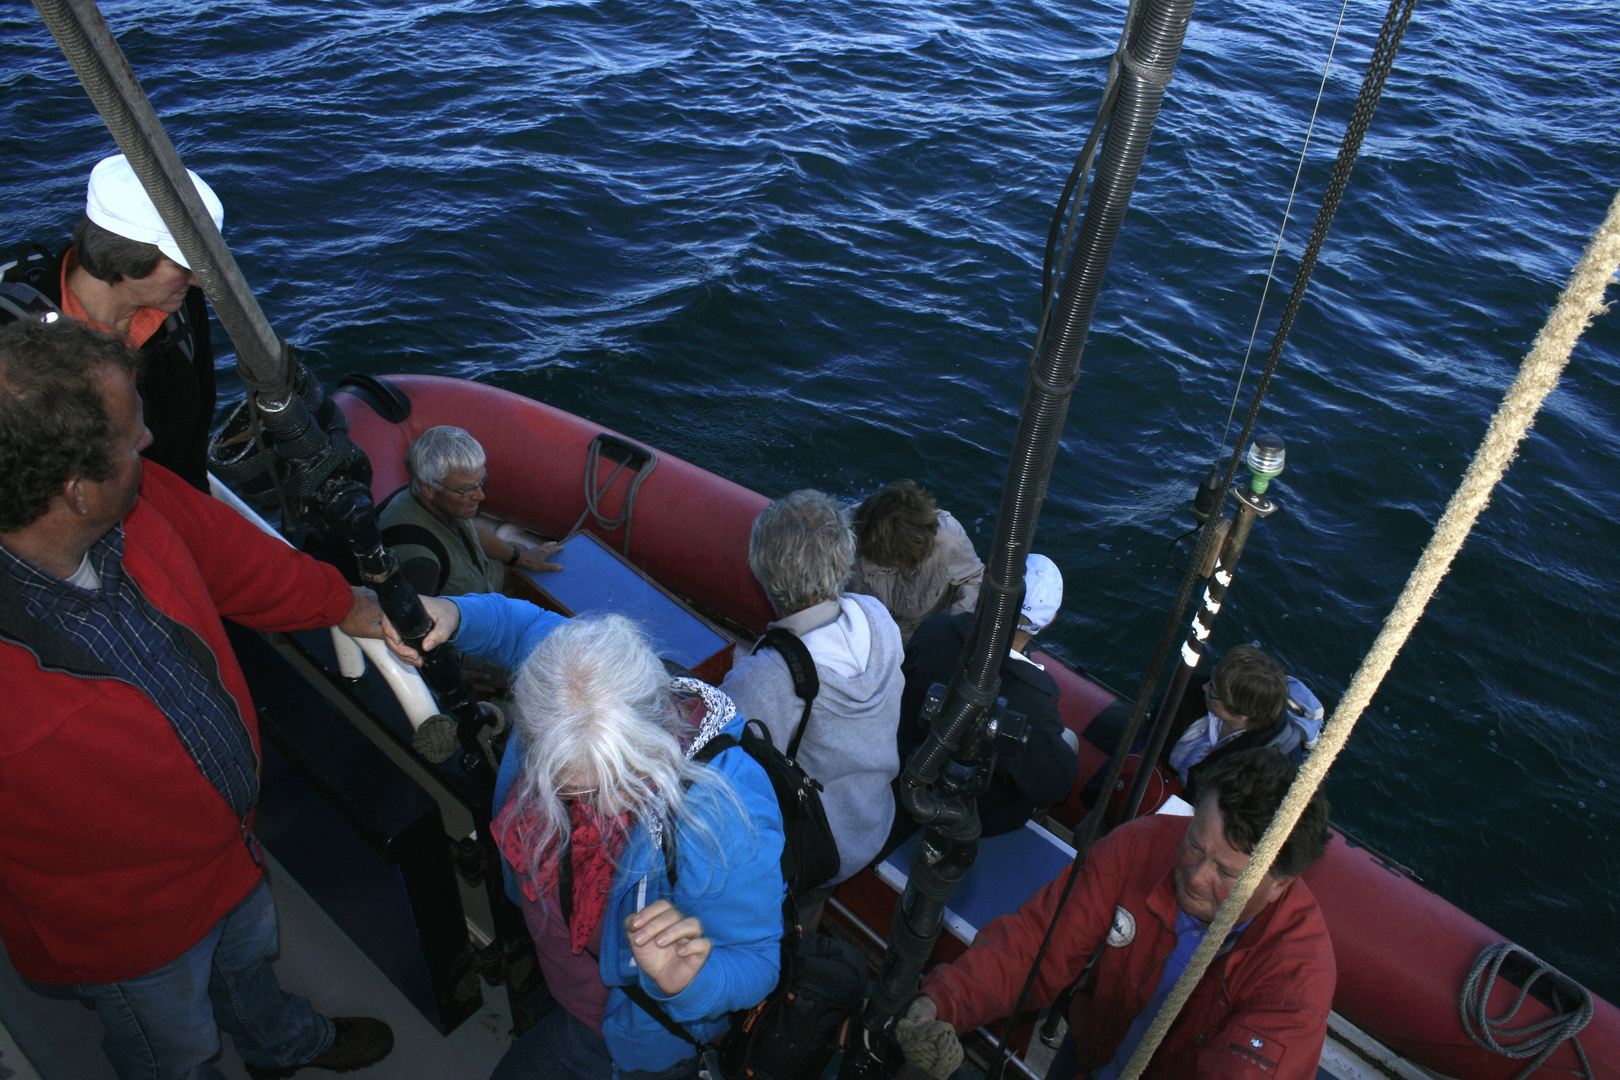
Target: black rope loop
(1055, 390)
(979, 699)
(990, 584)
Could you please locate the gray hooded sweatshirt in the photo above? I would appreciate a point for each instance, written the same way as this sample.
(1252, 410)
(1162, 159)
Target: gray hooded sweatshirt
(849, 744)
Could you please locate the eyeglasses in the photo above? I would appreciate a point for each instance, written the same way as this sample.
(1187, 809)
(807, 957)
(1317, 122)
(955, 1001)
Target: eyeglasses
(464, 491)
(580, 794)
(1212, 697)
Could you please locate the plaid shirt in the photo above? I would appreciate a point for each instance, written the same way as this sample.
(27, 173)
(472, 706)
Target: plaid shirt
(119, 625)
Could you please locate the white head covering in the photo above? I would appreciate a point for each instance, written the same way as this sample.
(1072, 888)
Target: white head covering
(1043, 593)
(116, 201)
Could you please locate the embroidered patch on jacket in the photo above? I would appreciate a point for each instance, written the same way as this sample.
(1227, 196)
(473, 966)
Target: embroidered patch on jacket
(1261, 1051)
(1123, 932)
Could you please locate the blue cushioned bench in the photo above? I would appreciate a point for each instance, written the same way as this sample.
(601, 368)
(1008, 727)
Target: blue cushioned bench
(1009, 870)
(595, 579)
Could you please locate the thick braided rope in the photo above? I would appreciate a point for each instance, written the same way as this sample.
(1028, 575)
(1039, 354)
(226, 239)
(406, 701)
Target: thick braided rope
(1581, 301)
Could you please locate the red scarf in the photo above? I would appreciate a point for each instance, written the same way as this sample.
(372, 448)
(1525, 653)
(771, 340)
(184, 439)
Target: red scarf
(594, 845)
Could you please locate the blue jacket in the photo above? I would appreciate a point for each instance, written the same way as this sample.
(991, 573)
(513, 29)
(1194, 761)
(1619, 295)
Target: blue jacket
(739, 901)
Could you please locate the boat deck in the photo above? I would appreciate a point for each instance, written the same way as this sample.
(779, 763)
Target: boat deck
(59, 1038)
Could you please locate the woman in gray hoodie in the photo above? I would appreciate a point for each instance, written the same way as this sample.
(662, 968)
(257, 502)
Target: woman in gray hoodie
(802, 551)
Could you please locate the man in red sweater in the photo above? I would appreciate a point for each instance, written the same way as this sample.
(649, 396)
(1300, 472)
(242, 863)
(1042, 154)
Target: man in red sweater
(1140, 907)
(129, 756)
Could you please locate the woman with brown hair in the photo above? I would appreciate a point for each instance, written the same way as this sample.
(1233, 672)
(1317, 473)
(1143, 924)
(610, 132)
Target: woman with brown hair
(913, 556)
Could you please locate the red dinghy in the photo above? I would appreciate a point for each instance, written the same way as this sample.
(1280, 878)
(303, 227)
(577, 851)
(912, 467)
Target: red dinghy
(1404, 954)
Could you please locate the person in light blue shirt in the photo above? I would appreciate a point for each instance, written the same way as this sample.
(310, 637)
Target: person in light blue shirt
(1245, 696)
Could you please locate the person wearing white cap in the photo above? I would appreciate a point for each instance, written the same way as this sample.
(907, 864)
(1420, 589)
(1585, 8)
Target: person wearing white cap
(123, 273)
(1043, 773)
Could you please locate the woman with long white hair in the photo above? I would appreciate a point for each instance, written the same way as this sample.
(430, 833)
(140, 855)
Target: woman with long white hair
(635, 866)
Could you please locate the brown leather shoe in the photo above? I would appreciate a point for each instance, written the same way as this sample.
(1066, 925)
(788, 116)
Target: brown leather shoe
(360, 1041)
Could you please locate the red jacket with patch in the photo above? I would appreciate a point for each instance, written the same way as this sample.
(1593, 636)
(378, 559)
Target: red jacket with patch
(116, 854)
(1260, 1011)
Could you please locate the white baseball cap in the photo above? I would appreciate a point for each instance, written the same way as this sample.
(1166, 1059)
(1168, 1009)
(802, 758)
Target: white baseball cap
(1043, 593)
(117, 202)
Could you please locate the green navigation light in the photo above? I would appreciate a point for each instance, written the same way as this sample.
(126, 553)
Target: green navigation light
(1265, 461)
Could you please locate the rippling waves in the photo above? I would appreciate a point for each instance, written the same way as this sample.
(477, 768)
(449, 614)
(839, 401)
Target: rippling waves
(799, 244)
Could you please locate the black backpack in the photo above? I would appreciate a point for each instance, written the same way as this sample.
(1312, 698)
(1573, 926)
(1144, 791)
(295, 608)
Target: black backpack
(21, 282)
(809, 851)
(794, 1032)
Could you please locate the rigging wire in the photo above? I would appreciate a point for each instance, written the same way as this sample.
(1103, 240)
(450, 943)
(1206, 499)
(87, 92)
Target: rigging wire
(1282, 229)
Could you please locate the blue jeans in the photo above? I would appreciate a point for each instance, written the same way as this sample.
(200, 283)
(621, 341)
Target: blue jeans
(560, 1047)
(165, 1025)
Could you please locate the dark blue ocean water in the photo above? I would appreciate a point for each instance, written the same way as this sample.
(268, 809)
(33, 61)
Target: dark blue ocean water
(799, 244)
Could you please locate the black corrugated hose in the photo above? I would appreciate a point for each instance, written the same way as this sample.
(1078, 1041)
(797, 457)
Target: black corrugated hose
(953, 826)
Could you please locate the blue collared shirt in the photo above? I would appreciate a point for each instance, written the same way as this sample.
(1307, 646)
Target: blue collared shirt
(118, 625)
(1189, 935)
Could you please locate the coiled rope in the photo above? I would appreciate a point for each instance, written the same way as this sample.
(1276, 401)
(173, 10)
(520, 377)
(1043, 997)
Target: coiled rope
(1581, 301)
(1537, 1040)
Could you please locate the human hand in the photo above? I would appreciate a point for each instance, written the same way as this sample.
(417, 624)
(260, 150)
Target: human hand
(928, 1042)
(668, 946)
(484, 682)
(534, 558)
(446, 616)
(365, 617)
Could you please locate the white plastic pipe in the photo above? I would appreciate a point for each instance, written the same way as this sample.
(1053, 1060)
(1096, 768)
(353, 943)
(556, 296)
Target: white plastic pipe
(405, 681)
(351, 659)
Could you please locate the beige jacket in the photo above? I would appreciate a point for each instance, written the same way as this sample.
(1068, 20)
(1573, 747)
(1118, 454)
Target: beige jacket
(948, 580)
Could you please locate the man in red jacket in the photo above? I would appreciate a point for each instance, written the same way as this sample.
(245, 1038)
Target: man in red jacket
(1139, 909)
(129, 755)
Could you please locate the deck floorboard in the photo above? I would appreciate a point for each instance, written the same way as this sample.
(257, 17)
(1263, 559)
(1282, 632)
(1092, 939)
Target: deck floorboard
(61, 1039)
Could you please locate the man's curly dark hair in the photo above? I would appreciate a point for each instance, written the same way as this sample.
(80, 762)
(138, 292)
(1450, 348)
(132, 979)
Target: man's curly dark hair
(1247, 788)
(53, 424)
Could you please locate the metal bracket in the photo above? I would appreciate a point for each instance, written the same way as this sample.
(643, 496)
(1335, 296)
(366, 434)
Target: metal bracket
(1261, 505)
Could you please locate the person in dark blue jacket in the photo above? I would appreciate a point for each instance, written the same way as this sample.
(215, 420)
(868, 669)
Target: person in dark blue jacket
(124, 273)
(1042, 774)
